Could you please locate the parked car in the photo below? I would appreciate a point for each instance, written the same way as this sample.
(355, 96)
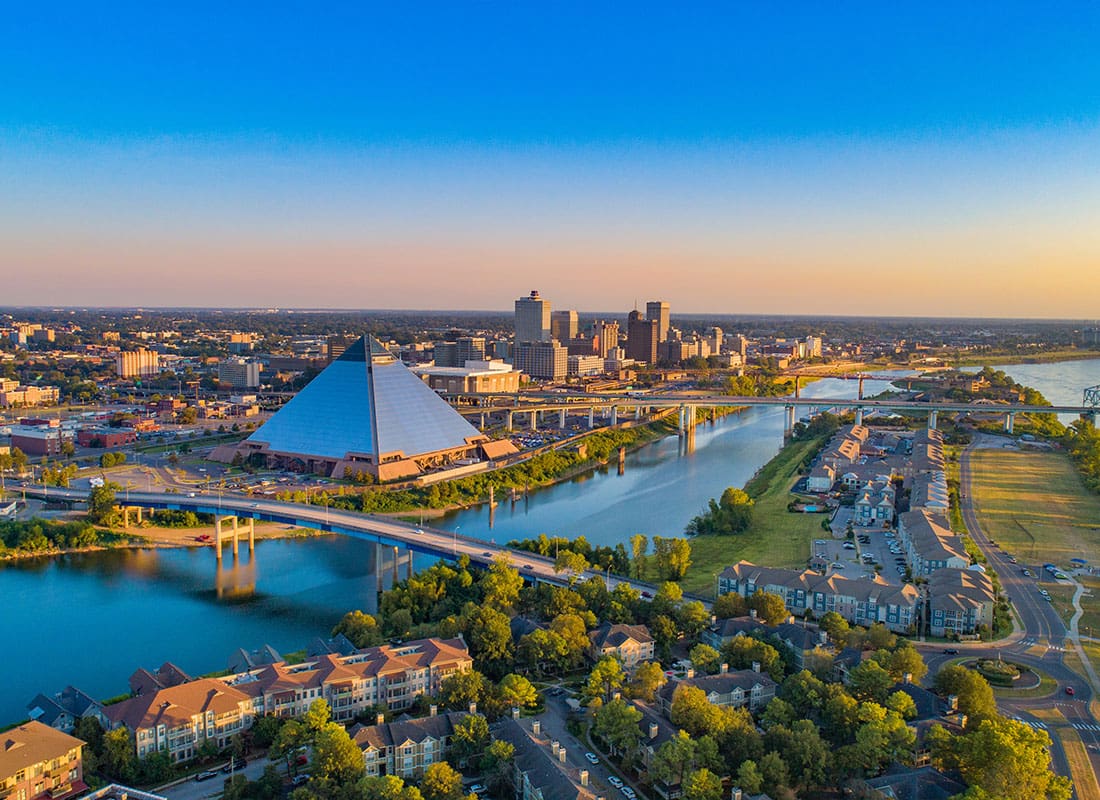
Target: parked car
(206, 775)
(233, 766)
(592, 758)
(1070, 691)
(951, 651)
(300, 779)
(477, 788)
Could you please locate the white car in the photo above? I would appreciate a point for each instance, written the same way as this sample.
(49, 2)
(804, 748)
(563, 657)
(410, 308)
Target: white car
(592, 758)
(615, 781)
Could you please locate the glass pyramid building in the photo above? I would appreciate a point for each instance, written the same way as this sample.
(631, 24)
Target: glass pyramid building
(365, 412)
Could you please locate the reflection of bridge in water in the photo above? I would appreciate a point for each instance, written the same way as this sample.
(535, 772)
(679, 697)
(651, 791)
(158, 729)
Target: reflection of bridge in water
(396, 543)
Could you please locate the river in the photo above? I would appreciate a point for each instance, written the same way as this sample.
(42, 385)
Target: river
(92, 619)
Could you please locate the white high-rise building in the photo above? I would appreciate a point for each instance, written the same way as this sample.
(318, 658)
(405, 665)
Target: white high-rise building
(532, 319)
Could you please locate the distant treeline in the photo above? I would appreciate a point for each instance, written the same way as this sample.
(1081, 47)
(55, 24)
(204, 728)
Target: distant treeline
(39, 536)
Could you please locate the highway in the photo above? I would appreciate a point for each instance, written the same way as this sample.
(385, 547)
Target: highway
(381, 530)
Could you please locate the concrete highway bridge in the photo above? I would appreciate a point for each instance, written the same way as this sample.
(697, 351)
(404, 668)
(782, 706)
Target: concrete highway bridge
(235, 517)
(615, 406)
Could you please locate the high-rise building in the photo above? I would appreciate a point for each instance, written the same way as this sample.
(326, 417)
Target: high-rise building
(469, 348)
(335, 347)
(641, 337)
(532, 319)
(563, 326)
(658, 310)
(137, 363)
(607, 336)
(542, 360)
(715, 338)
(239, 373)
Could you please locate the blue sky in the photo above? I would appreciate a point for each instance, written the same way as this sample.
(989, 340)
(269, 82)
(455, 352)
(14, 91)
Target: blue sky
(451, 154)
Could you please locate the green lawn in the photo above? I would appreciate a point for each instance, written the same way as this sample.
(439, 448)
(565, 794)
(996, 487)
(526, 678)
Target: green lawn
(777, 538)
(1035, 506)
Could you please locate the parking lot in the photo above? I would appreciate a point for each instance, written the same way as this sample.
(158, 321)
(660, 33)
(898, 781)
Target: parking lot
(871, 546)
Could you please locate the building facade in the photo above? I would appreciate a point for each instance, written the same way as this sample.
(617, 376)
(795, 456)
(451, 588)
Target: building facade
(532, 319)
(37, 761)
(542, 360)
(137, 364)
(658, 310)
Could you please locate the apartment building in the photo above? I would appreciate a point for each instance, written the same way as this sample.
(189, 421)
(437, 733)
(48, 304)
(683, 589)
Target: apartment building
(862, 601)
(960, 601)
(929, 544)
(37, 761)
(631, 644)
(406, 747)
(740, 688)
(177, 720)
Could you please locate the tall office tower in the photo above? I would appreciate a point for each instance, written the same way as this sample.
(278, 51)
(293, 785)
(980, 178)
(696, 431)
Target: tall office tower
(563, 326)
(608, 335)
(641, 337)
(658, 310)
(740, 344)
(469, 348)
(714, 337)
(532, 319)
(544, 360)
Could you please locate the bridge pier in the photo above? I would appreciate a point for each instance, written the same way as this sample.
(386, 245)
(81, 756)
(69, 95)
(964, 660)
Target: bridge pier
(797, 386)
(637, 413)
(221, 536)
(561, 419)
(1010, 421)
(614, 416)
(482, 426)
(126, 515)
(859, 415)
(680, 428)
(591, 417)
(861, 386)
(788, 421)
(932, 420)
(534, 420)
(508, 421)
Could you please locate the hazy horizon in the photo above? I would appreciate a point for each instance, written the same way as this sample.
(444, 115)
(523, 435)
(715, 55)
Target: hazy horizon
(939, 161)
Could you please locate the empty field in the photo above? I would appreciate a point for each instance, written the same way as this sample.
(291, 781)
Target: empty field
(1034, 505)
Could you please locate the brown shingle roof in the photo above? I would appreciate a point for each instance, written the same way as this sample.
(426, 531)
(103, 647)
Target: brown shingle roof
(31, 743)
(177, 704)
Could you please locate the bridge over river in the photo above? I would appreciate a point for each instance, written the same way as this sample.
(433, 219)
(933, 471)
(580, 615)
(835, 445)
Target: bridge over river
(383, 532)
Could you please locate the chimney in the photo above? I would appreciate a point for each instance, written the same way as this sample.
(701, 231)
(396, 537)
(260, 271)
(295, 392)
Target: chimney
(723, 668)
(584, 777)
(473, 707)
(561, 755)
(433, 709)
(690, 672)
(536, 727)
(616, 695)
(515, 712)
(752, 613)
(953, 702)
(756, 666)
(907, 677)
(555, 746)
(735, 793)
(380, 719)
(653, 730)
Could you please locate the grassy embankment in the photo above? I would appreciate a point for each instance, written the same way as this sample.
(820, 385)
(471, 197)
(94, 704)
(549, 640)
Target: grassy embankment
(1080, 766)
(1035, 506)
(1025, 357)
(777, 537)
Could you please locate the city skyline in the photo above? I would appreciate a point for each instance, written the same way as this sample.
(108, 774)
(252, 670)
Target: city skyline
(367, 160)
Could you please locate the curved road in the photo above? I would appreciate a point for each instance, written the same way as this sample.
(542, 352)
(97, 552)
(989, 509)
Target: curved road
(1039, 643)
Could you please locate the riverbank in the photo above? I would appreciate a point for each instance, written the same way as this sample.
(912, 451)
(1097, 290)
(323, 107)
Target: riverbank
(777, 537)
(148, 537)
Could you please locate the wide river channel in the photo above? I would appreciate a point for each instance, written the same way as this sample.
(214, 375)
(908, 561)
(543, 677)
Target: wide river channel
(91, 619)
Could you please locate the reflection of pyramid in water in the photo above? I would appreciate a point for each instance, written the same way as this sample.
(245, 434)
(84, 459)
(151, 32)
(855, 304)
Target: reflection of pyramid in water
(364, 410)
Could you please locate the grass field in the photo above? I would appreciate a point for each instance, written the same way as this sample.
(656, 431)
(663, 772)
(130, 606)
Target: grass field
(777, 538)
(1035, 506)
(1084, 779)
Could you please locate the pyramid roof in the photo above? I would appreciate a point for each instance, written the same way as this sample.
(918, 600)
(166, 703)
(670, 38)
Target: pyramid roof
(365, 403)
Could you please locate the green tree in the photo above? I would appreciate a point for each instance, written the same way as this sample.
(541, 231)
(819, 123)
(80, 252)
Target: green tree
(836, 627)
(336, 757)
(386, 787)
(102, 508)
(870, 682)
(1007, 759)
(543, 651)
(730, 605)
(517, 692)
(118, 754)
(500, 584)
(703, 785)
(471, 736)
(605, 678)
(647, 680)
(639, 544)
(441, 782)
(617, 724)
(316, 717)
(457, 691)
(672, 557)
(742, 652)
(749, 778)
(490, 637)
(665, 634)
(692, 618)
(975, 696)
(705, 659)
(674, 759)
(360, 628)
(902, 704)
(902, 661)
(574, 635)
(568, 561)
(768, 607)
(773, 773)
